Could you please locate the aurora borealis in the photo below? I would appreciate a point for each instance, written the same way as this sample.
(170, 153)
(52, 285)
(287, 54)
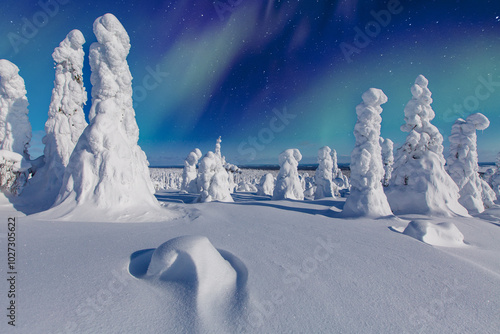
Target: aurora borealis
(234, 68)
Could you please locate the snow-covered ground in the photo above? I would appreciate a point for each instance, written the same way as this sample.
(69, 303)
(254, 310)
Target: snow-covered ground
(257, 266)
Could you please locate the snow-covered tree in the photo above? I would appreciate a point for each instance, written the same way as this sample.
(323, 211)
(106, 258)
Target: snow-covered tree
(14, 172)
(324, 174)
(266, 185)
(494, 179)
(340, 179)
(367, 196)
(288, 184)
(387, 159)
(108, 169)
(66, 120)
(189, 173)
(212, 180)
(217, 148)
(419, 182)
(15, 128)
(463, 160)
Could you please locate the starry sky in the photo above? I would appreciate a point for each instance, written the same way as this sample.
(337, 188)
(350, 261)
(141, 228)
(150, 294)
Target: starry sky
(270, 75)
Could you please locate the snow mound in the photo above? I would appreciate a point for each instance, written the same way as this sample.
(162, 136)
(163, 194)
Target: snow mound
(193, 259)
(442, 234)
(210, 282)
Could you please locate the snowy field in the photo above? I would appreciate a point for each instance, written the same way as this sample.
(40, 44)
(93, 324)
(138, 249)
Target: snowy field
(292, 266)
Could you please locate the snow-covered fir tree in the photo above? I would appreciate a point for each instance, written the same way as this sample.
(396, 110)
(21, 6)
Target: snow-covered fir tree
(324, 174)
(108, 169)
(66, 120)
(288, 185)
(340, 179)
(463, 160)
(387, 159)
(266, 185)
(15, 128)
(367, 196)
(419, 182)
(190, 173)
(212, 182)
(494, 179)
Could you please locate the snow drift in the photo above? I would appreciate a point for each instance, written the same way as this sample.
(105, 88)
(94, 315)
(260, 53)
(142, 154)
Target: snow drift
(442, 234)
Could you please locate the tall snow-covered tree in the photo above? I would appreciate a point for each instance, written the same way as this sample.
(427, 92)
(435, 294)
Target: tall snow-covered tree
(387, 159)
(419, 182)
(15, 128)
(108, 170)
(288, 185)
(189, 173)
(463, 160)
(213, 182)
(324, 174)
(367, 196)
(66, 120)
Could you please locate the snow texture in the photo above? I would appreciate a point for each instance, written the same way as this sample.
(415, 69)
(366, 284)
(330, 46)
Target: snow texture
(419, 182)
(442, 234)
(288, 185)
(15, 128)
(66, 120)
(266, 185)
(463, 161)
(387, 159)
(108, 170)
(367, 196)
(324, 175)
(213, 180)
(244, 186)
(190, 173)
(495, 178)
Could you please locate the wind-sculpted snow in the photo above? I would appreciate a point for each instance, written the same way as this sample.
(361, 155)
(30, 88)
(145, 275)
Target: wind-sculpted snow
(15, 128)
(108, 169)
(463, 162)
(288, 185)
(420, 183)
(367, 196)
(387, 159)
(442, 234)
(210, 282)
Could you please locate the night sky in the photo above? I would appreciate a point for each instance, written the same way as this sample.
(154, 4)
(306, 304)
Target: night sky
(270, 75)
